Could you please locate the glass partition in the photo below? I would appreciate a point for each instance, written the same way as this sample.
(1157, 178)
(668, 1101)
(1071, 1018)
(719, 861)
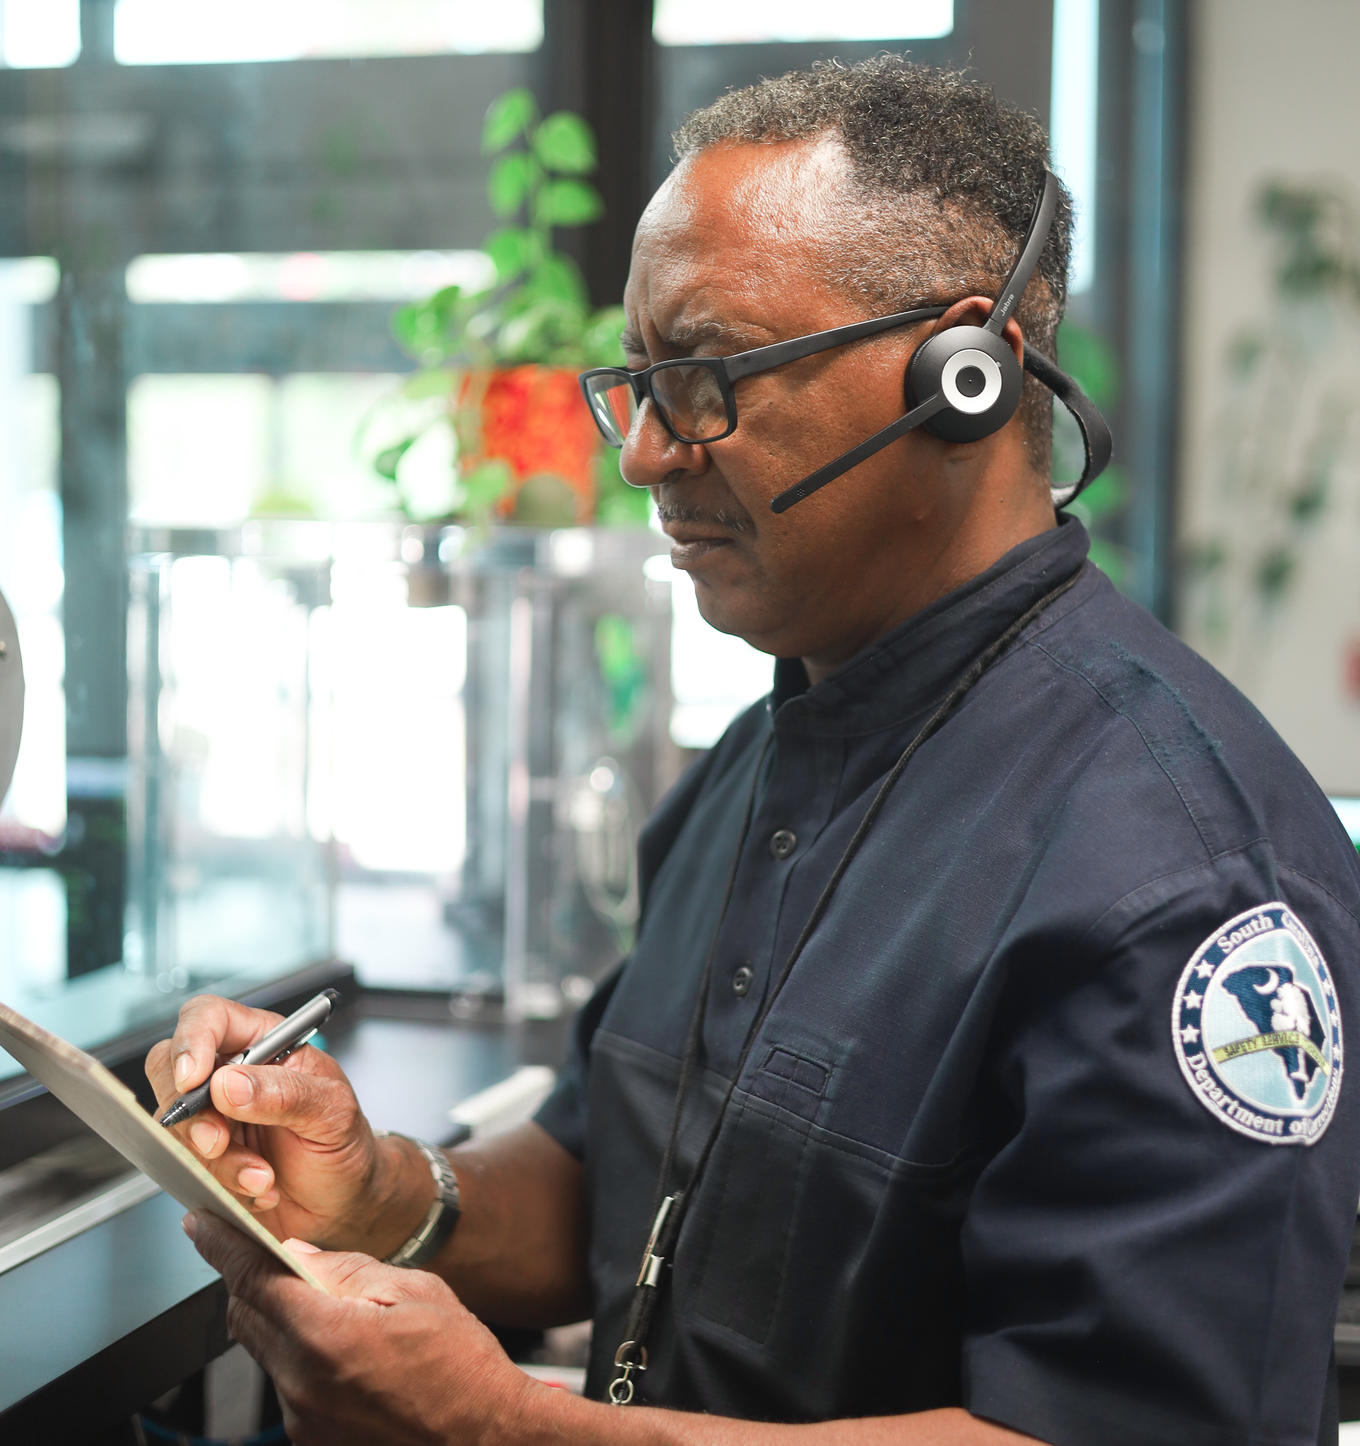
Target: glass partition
(211, 214)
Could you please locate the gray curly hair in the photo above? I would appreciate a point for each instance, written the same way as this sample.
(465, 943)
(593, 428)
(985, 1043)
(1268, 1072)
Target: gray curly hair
(944, 179)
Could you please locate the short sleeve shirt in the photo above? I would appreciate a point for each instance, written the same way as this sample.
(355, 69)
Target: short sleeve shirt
(1051, 1118)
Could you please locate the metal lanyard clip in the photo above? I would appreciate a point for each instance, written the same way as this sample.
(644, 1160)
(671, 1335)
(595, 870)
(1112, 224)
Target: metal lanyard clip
(631, 1356)
(650, 1271)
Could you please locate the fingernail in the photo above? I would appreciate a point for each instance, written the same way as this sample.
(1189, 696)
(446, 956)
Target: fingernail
(184, 1068)
(237, 1087)
(255, 1180)
(301, 1247)
(204, 1136)
(189, 1224)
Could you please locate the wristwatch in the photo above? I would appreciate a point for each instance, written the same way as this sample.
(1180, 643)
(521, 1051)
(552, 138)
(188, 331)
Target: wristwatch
(442, 1215)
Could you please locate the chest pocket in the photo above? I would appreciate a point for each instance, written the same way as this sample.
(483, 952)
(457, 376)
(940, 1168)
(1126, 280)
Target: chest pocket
(821, 1269)
(741, 1224)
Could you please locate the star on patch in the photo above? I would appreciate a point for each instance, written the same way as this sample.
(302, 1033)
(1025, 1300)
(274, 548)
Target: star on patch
(1204, 969)
(1193, 1000)
(1189, 1034)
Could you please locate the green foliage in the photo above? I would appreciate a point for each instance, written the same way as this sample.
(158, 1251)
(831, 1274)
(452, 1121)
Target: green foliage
(1091, 361)
(616, 503)
(1314, 231)
(508, 118)
(564, 143)
(535, 309)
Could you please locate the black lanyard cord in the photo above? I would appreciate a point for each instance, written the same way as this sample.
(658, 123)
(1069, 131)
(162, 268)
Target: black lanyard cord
(669, 1207)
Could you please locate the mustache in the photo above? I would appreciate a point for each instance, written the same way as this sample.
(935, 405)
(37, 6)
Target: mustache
(738, 521)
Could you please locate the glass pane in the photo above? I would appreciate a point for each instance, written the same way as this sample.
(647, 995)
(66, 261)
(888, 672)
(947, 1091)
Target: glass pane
(34, 814)
(171, 32)
(719, 22)
(39, 34)
(226, 736)
(199, 447)
(715, 676)
(318, 468)
(1072, 128)
(304, 275)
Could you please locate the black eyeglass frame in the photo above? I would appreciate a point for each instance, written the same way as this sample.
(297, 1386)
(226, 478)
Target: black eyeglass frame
(730, 369)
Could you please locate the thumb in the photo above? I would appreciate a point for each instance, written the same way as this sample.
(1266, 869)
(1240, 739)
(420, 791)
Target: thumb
(314, 1106)
(347, 1273)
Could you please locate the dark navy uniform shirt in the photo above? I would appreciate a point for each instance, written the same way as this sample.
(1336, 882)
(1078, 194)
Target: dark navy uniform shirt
(1048, 1119)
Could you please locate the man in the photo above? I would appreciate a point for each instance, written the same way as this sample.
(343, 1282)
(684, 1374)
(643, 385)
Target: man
(964, 911)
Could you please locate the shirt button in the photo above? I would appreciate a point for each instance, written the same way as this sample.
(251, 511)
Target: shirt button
(741, 981)
(783, 841)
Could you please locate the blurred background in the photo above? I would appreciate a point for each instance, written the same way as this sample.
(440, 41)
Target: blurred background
(320, 669)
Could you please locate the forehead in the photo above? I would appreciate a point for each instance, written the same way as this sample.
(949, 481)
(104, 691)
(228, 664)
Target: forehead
(739, 238)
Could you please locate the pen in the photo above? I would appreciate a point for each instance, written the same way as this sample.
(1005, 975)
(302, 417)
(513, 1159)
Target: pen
(292, 1033)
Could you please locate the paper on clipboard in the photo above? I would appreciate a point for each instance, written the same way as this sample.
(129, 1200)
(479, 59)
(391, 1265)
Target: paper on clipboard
(111, 1110)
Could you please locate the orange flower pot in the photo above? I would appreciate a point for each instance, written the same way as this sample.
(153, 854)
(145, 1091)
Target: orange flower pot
(532, 418)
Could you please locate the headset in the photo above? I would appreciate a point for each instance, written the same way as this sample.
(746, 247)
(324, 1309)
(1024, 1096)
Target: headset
(964, 383)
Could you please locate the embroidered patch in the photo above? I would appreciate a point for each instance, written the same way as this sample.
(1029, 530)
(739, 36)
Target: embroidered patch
(1257, 1028)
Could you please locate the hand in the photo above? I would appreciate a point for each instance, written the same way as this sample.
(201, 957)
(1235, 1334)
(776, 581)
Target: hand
(390, 1358)
(289, 1138)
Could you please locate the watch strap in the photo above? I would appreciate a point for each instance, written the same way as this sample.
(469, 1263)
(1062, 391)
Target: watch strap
(443, 1214)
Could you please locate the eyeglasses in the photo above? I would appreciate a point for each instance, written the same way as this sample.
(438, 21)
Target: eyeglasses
(693, 396)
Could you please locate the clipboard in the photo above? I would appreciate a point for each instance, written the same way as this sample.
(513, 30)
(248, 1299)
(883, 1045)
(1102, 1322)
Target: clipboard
(111, 1110)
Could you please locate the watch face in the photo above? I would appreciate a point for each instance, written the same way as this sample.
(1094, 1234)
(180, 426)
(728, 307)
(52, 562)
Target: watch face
(11, 695)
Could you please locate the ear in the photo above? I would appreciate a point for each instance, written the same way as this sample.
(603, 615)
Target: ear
(974, 311)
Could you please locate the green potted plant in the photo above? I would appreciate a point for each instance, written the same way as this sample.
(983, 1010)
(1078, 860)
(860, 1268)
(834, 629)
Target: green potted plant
(493, 415)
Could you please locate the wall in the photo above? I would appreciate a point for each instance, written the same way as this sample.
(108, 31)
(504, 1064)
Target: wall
(1269, 494)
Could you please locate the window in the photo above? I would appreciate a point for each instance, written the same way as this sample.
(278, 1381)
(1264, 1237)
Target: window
(39, 34)
(719, 22)
(171, 32)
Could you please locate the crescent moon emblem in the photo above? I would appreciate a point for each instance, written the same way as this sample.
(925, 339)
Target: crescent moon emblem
(1269, 988)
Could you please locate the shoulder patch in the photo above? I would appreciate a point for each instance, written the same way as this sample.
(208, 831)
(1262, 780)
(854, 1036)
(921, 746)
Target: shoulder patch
(1257, 1028)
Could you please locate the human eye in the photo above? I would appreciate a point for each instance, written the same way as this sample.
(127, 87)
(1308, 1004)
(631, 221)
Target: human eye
(634, 352)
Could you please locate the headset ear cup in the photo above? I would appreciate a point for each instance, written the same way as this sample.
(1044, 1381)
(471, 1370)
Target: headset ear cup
(978, 375)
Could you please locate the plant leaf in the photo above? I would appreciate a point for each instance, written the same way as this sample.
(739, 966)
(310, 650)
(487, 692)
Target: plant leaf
(481, 487)
(385, 463)
(548, 331)
(510, 115)
(512, 250)
(429, 382)
(509, 182)
(428, 329)
(567, 203)
(1091, 361)
(600, 339)
(565, 142)
(558, 278)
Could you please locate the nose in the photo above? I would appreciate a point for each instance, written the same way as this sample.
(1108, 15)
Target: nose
(651, 456)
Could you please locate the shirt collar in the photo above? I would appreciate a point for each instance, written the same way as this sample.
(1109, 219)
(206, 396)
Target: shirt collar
(907, 670)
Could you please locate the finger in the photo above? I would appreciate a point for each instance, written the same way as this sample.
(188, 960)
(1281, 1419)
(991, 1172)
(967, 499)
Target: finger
(318, 1107)
(253, 1329)
(355, 1276)
(249, 1270)
(243, 1171)
(161, 1074)
(210, 1026)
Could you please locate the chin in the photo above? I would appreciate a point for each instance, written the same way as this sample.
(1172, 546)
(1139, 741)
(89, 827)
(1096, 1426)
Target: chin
(725, 617)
